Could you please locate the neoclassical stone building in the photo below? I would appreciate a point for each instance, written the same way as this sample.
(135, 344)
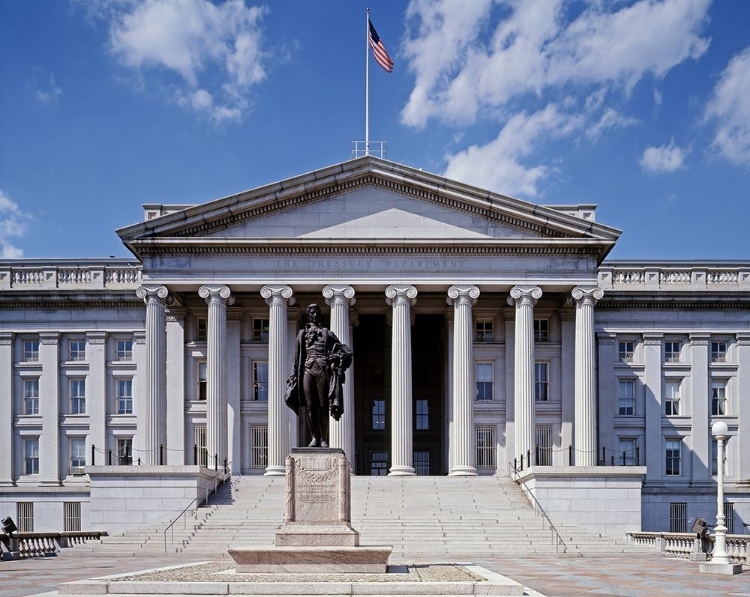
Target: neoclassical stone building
(486, 331)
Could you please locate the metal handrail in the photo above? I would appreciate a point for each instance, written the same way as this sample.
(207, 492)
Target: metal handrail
(538, 507)
(205, 499)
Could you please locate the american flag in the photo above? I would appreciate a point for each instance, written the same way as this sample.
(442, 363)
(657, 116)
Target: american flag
(378, 49)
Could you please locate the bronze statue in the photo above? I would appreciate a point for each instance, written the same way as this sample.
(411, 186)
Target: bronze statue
(317, 377)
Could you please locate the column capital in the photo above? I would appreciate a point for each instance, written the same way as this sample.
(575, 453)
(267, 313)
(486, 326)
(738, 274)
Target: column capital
(652, 339)
(524, 295)
(463, 293)
(400, 294)
(699, 338)
(176, 313)
(6, 338)
(334, 293)
(152, 293)
(743, 338)
(96, 337)
(49, 337)
(587, 295)
(139, 337)
(216, 294)
(275, 294)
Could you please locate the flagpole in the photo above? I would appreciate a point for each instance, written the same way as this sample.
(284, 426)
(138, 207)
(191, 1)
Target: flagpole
(367, 84)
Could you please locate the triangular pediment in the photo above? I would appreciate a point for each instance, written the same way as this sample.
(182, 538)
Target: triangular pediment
(364, 200)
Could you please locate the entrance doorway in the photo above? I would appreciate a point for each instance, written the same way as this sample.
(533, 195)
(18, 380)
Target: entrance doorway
(372, 395)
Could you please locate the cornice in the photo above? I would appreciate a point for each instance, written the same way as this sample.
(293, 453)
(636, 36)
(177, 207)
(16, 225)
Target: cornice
(47, 304)
(211, 246)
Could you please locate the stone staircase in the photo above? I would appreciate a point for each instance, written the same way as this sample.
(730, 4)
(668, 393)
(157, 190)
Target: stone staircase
(436, 517)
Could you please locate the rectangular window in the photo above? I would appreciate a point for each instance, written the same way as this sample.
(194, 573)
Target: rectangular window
(77, 455)
(422, 462)
(729, 517)
(77, 396)
(77, 350)
(541, 330)
(31, 455)
(626, 351)
(718, 352)
(124, 350)
(627, 452)
(541, 382)
(484, 381)
(124, 396)
(31, 396)
(486, 447)
(260, 380)
(719, 398)
(543, 436)
(124, 451)
(201, 332)
(422, 420)
(25, 516)
(483, 330)
(258, 446)
(201, 450)
(260, 330)
(30, 351)
(673, 453)
(678, 517)
(378, 464)
(672, 352)
(626, 399)
(378, 415)
(71, 516)
(672, 398)
(202, 382)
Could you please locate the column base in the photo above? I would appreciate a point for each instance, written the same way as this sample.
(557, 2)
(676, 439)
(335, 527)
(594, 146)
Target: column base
(275, 471)
(716, 568)
(401, 471)
(463, 471)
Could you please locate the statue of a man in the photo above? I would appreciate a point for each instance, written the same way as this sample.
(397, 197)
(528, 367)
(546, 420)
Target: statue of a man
(317, 377)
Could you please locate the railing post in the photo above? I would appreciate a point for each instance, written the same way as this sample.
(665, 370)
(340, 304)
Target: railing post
(570, 454)
(515, 465)
(109, 458)
(604, 455)
(637, 456)
(521, 462)
(93, 454)
(612, 459)
(623, 458)
(225, 466)
(139, 461)
(528, 457)
(161, 454)
(216, 462)
(195, 454)
(536, 455)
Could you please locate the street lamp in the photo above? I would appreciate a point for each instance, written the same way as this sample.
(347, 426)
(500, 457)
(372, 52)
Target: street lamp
(720, 558)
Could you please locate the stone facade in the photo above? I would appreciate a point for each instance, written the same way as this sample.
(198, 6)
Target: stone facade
(486, 330)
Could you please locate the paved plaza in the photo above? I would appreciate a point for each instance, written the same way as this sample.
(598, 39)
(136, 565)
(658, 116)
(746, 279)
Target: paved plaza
(625, 576)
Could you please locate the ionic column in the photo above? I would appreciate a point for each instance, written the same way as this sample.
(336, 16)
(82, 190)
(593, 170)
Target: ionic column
(155, 416)
(49, 408)
(463, 436)
(217, 298)
(341, 432)
(585, 368)
(401, 298)
(6, 406)
(277, 299)
(176, 388)
(524, 298)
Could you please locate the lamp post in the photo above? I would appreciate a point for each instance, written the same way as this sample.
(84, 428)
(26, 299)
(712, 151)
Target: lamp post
(720, 555)
(719, 563)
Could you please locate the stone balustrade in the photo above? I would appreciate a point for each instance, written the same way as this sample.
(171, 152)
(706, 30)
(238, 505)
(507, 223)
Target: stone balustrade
(673, 278)
(33, 545)
(98, 275)
(683, 545)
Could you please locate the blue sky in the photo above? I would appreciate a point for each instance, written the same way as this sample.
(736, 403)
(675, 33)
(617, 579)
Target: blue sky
(642, 107)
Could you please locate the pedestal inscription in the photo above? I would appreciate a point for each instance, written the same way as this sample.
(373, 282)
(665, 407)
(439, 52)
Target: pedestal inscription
(318, 502)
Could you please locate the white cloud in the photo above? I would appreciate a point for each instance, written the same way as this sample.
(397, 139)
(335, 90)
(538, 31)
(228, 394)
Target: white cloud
(729, 106)
(497, 165)
(215, 50)
(533, 49)
(610, 119)
(667, 158)
(47, 89)
(13, 225)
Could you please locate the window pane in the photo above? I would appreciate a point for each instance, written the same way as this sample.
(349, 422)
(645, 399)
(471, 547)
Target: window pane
(124, 396)
(31, 397)
(378, 414)
(124, 350)
(541, 382)
(422, 420)
(484, 381)
(260, 380)
(260, 330)
(77, 350)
